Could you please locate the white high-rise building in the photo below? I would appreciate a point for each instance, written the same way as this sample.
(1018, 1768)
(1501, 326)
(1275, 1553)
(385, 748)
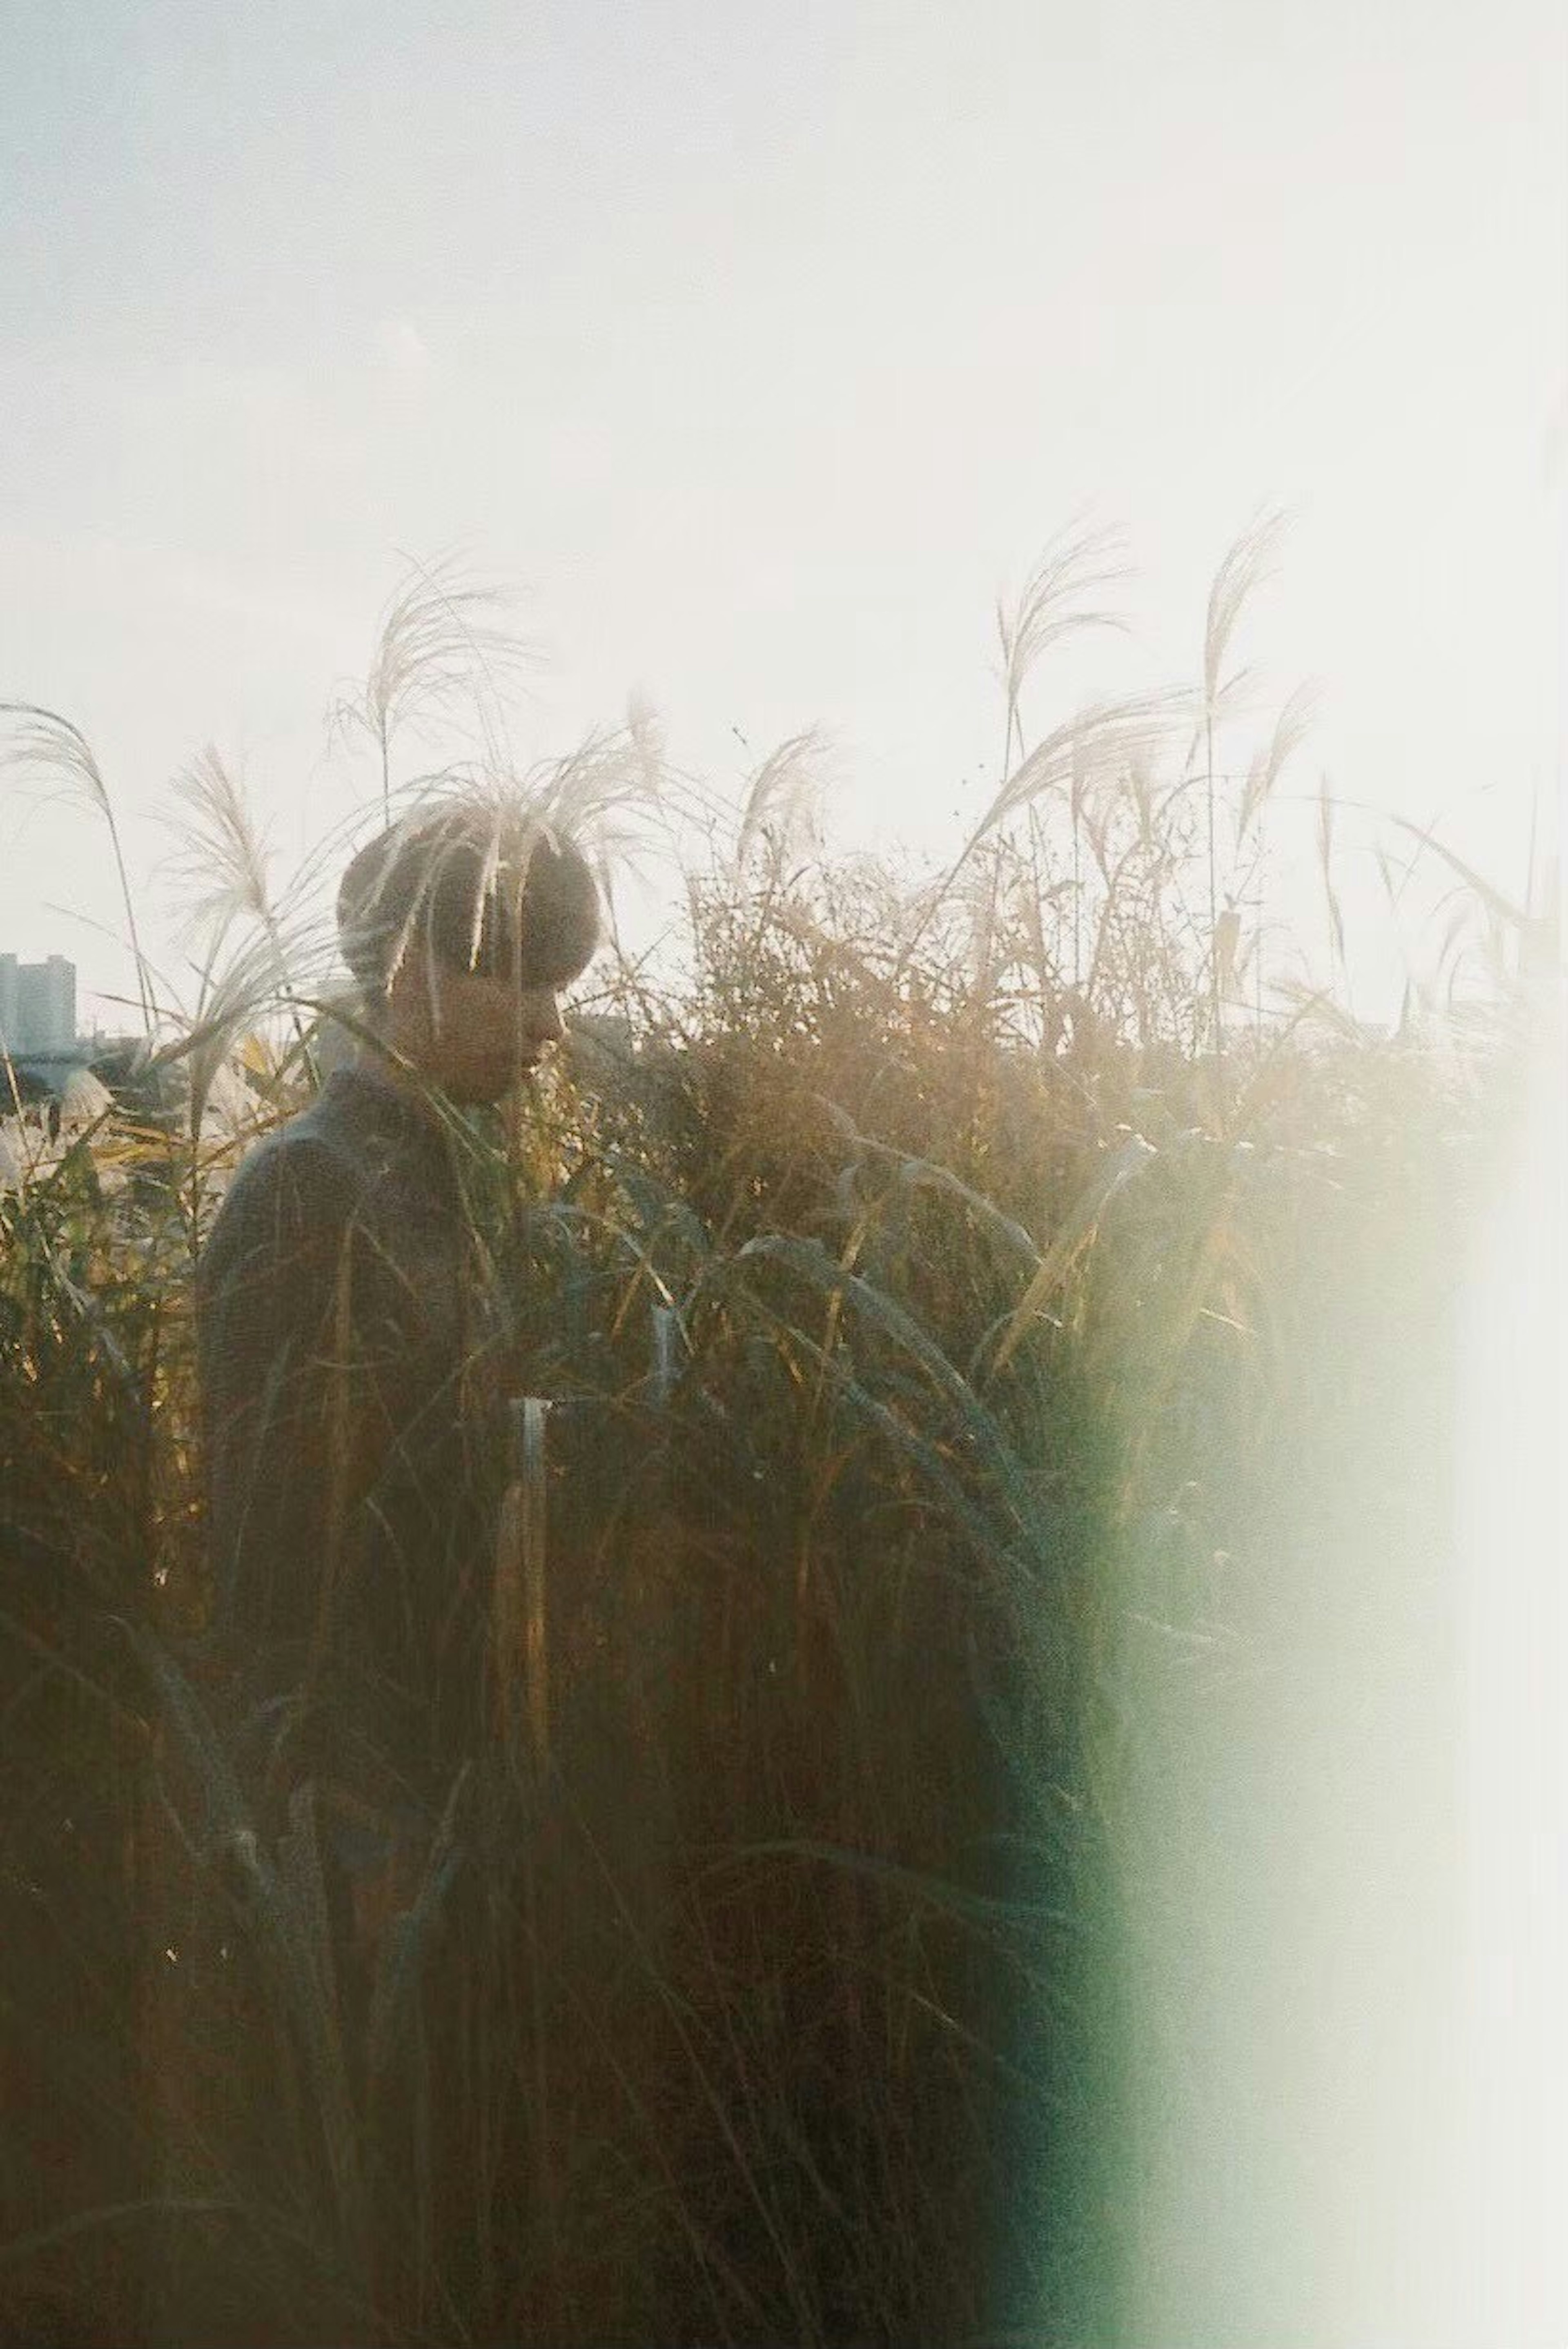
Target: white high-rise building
(38, 1007)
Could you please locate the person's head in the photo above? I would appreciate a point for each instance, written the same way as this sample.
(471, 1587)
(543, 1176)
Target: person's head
(461, 929)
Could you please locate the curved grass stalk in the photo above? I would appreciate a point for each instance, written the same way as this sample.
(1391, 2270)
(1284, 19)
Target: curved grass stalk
(59, 752)
(440, 643)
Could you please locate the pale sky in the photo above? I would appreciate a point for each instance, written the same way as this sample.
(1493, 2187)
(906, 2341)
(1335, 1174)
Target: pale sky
(764, 347)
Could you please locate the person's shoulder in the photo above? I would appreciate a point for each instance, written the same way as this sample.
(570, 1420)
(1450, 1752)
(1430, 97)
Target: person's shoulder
(303, 1151)
(296, 1179)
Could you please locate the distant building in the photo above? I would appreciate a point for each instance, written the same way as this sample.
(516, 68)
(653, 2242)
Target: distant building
(38, 1007)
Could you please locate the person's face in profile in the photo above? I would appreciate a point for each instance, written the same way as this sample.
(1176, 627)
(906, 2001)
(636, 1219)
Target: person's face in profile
(471, 1035)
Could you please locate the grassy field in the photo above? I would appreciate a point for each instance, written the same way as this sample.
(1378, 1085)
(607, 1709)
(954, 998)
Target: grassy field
(999, 1306)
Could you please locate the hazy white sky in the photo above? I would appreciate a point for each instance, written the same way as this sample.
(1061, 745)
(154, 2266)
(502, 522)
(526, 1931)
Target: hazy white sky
(764, 345)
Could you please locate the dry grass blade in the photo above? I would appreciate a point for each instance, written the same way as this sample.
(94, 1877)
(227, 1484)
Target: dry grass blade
(957, 1900)
(443, 642)
(1249, 561)
(1057, 599)
(1076, 1234)
(402, 1948)
(902, 1437)
(1291, 730)
(783, 797)
(49, 746)
(223, 856)
(239, 998)
(883, 1315)
(57, 752)
(229, 1824)
(287, 1911)
(1325, 865)
(605, 795)
(310, 1984)
(1103, 737)
(1517, 916)
(1317, 1005)
(1104, 740)
(115, 2214)
(646, 741)
(976, 896)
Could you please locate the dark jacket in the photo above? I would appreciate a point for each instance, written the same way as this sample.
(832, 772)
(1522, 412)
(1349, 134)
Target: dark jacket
(354, 1442)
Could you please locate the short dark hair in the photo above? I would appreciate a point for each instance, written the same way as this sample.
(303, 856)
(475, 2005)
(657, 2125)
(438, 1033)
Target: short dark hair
(477, 888)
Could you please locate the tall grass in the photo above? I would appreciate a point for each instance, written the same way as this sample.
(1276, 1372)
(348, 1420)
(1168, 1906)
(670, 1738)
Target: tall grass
(54, 755)
(956, 1293)
(444, 651)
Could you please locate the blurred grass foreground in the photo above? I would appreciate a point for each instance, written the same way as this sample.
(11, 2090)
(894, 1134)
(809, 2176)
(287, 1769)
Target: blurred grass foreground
(1037, 1468)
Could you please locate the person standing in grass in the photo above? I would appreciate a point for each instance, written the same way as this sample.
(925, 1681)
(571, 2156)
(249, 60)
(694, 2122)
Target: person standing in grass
(351, 1384)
